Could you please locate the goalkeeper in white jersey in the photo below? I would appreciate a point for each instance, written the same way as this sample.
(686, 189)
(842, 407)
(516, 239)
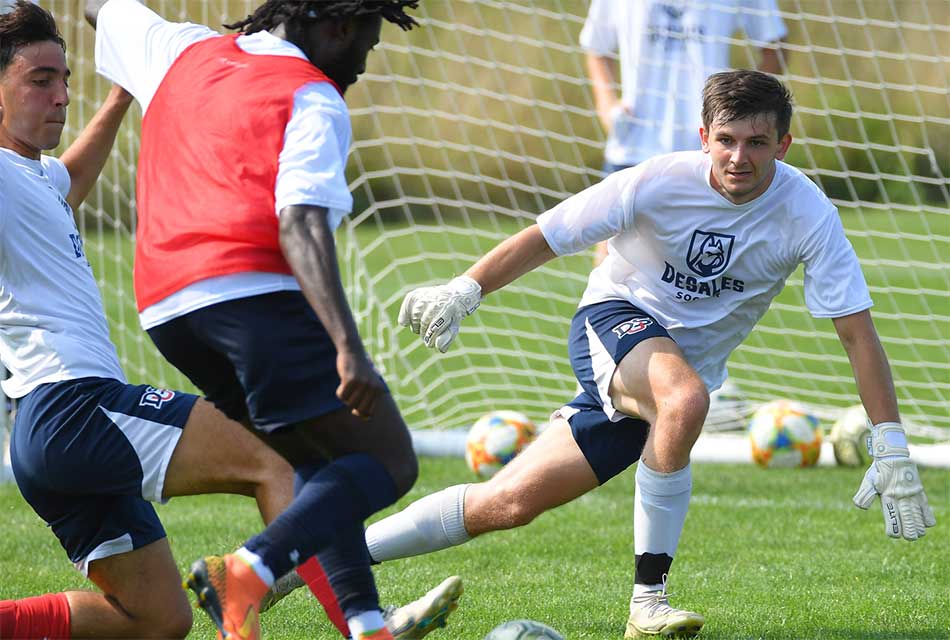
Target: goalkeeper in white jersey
(700, 242)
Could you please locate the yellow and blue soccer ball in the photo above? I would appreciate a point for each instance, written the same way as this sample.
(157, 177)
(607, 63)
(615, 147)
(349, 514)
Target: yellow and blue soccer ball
(784, 434)
(495, 439)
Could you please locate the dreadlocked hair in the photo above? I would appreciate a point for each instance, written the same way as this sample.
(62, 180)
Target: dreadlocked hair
(276, 12)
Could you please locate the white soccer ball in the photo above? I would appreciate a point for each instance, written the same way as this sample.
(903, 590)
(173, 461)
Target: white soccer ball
(849, 436)
(728, 408)
(523, 630)
(784, 434)
(495, 439)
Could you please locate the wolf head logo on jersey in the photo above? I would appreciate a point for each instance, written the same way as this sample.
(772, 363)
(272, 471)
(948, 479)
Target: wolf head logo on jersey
(709, 252)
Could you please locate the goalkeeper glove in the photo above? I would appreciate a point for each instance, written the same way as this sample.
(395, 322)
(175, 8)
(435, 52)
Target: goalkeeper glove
(436, 312)
(893, 476)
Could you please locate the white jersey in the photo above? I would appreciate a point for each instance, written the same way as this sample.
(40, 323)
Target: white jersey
(705, 268)
(135, 48)
(52, 326)
(667, 49)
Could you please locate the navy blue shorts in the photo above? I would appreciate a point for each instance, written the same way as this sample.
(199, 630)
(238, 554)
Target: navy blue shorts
(89, 454)
(609, 447)
(601, 335)
(266, 358)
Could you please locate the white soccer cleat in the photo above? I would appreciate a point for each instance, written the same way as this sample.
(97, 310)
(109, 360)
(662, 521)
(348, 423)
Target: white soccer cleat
(652, 615)
(420, 617)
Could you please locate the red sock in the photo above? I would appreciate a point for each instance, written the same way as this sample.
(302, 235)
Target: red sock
(35, 618)
(312, 573)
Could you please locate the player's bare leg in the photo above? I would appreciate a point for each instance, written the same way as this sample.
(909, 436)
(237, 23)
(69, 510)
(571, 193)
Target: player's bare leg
(217, 455)
(130, 607)
(548, 473)
(655, 382)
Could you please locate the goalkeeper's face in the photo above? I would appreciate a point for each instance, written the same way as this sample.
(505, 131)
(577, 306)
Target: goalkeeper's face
(33, 97)
(743, 154)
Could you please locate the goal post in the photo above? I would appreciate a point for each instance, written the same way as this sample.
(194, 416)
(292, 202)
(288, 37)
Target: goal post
(467, 128)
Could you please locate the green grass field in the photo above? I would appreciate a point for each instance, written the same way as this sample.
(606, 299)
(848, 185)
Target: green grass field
(775, 554)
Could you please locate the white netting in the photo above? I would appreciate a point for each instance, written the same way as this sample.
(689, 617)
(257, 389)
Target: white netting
(468, 127)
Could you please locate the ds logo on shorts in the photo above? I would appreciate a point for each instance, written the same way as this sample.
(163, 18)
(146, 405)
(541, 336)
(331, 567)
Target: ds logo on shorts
(629, 327)
(155, 398)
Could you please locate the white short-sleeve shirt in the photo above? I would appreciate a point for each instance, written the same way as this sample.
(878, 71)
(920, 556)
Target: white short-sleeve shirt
(135, 47)
(705, 268)
(52, 326)
(667, 49)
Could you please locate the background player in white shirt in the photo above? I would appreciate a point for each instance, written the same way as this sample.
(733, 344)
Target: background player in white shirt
(666, 50)
(699, 245)
(89, 450)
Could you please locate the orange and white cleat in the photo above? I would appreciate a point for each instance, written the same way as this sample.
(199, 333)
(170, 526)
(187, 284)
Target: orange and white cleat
(230, 592)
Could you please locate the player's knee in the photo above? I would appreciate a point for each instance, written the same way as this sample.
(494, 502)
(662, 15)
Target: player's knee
(178, 624)
(512, 506)
(169, 620)
(404, 469)
(268, 468)
(686, 407)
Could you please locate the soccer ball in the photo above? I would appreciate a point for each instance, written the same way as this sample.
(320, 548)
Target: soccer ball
(523, 630)
(728, 408)
(849, 437)
(784, 434)
(495, 439)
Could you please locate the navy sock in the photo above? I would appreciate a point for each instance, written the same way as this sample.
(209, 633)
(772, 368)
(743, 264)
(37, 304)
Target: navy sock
(332, 500)
(346, 562)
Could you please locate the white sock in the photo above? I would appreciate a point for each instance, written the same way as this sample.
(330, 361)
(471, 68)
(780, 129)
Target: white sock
(434, 522)
(365, 623)
(660, 504)
(254, 561)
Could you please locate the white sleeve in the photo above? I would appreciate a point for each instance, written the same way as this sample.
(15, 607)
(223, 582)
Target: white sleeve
(597, 213)
(761, 21)
(57, 173)
(599, 34)
(312, 162)
(834, 283)
(135, 46)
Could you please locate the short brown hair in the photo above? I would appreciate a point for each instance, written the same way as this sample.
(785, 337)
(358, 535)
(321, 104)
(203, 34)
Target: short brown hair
(736, 95)
(25, 24)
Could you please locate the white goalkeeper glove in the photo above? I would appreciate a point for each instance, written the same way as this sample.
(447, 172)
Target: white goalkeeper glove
(436, 312)
(893, 476)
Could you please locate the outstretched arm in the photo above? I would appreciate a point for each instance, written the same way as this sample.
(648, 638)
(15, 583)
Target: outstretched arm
(872, 373)
(515, 256)
(436, 313)
(892, 474)
(86, 156)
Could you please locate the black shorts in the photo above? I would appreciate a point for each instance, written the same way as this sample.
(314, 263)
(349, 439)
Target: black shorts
(265, 357)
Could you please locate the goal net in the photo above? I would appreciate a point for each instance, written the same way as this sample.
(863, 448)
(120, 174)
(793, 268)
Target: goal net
(467, 128)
